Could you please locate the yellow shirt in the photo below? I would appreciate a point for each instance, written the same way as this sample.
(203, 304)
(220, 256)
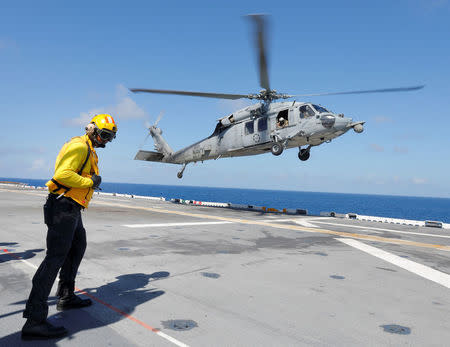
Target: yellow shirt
(68, 163)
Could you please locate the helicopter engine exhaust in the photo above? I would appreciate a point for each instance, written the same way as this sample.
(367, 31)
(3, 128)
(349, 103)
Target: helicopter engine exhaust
(247, 112)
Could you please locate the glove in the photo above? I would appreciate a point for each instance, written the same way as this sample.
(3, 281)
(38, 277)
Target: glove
(97, 180)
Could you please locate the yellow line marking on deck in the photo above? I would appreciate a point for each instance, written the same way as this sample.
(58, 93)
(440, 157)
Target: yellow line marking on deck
(284, 226)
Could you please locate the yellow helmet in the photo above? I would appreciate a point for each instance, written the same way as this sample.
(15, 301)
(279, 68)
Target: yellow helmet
(105, 126)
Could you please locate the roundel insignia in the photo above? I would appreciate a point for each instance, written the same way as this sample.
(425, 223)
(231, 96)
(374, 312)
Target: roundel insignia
(256, 138)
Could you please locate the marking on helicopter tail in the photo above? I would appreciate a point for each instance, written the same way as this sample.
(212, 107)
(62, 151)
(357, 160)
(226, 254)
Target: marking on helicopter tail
(419, 269)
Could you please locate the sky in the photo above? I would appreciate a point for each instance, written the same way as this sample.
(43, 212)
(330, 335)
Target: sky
(60, 64)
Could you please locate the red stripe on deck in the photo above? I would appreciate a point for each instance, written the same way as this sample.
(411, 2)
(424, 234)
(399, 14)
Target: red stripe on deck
(111, 307)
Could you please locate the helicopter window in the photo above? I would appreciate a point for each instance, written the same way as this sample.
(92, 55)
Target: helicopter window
(249, 128)
(320, 109)
(306, 111)
(282, 119)
(262, 124)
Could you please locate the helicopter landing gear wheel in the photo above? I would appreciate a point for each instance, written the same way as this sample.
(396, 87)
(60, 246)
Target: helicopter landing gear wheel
(180, 173)
(276, 148)
(303, 154)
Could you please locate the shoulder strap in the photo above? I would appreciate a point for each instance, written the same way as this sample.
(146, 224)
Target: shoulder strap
(87, 158)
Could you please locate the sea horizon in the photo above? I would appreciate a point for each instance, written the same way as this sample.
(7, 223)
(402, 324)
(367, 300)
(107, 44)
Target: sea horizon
(258, 189)
(380, 205)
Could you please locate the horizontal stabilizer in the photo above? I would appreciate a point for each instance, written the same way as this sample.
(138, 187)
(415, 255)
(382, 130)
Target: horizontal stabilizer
(149, 156)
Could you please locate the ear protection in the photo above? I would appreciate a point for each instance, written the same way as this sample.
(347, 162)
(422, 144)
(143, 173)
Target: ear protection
(90, 129)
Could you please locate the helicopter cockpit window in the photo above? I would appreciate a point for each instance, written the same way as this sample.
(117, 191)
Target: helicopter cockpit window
(262, 124)
(306, 111)
(282, 119)
(249, 128)
(320, 109)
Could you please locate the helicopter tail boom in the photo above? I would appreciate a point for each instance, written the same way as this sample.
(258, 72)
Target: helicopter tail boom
(160, 144)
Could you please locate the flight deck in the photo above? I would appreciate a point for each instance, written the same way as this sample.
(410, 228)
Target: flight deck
(165, 274)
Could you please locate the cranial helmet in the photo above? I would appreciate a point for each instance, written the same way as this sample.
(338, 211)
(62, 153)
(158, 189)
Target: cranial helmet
(102, 129)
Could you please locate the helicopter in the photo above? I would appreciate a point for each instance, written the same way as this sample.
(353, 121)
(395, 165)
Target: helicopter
(263, 127)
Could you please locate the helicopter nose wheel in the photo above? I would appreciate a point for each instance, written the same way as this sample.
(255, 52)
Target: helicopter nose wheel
(276, 148)
(180, 173)
(303, 154)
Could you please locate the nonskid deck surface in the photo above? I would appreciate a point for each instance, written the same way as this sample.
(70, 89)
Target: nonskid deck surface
(162, 274)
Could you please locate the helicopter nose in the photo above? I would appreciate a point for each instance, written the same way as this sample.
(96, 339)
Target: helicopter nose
(328, 120)
(342, 123)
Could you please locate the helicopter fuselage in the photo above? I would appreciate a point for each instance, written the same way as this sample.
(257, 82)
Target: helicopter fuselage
(254, 129)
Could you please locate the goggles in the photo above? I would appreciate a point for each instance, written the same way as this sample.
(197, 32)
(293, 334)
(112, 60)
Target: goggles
(106, 135)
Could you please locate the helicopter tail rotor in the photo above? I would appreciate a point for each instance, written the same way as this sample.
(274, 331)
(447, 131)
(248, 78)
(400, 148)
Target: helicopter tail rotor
(151, 127)
(161, 114)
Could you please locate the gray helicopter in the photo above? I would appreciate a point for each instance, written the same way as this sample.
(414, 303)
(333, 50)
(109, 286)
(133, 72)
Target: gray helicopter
(263, 127)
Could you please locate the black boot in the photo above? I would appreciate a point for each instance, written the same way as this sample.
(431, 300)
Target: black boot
(73, 301)
(68, 300)
(33, 330)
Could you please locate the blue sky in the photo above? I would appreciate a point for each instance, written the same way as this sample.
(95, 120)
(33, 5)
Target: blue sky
(60, 64)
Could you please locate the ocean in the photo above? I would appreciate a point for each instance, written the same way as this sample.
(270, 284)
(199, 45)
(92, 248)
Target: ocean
(405, 207)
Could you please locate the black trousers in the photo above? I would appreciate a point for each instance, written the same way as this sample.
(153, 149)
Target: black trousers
(66, 243)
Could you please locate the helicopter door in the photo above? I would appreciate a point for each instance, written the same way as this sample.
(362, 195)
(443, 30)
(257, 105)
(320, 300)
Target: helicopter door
(282, 119)
(249, 134)
(262, 130)
(293, 116)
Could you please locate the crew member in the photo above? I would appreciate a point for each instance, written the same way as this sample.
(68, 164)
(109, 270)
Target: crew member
(70, 190)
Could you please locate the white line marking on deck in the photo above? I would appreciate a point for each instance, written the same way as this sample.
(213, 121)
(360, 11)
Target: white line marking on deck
(390, 230)
(171, 339)
(29, 264)
(276, 220)
(171, 224)
(419, 269)
(304, 223)
(371, 231)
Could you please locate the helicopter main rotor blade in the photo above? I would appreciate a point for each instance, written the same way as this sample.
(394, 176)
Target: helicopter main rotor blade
(385, 90)
(183, 92)
(260, 40)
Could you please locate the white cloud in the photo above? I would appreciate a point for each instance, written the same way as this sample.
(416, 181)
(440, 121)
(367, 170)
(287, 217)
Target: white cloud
(83, 119)
(38, 164)
(125, 108)
(417, 180)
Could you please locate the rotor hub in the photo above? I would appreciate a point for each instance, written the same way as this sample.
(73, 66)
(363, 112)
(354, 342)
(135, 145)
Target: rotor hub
(268, 95)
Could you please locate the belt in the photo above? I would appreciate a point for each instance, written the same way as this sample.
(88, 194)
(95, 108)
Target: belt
(54, 197)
